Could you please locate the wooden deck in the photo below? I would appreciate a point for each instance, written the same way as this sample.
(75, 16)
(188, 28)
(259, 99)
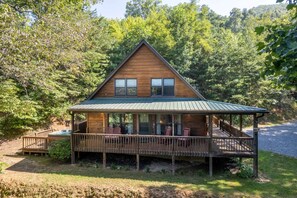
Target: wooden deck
(35, 144)
(222, 144)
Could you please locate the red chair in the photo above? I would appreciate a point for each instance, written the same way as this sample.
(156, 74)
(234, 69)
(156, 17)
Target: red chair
(109, 130)
(187, 131)
(113, 138)
(183, 141)
(117, 130)
(168, 132)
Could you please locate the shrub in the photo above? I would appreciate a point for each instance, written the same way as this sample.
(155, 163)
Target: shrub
(113, 166)
(245, 171)
(60, 150)
(147, 169)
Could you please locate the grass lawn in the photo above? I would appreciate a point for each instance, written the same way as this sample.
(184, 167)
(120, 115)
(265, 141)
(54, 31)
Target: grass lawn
(280, 171)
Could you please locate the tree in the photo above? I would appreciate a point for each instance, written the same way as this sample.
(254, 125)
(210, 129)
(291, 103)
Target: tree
(55, 60)
(235, 20)
(141, 8)
(281, 49)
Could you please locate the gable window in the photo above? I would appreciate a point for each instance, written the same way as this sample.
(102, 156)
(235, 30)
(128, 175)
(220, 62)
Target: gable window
(125, 87)
(162, 87)
(156, 87)
(131, 87)
(168, 87)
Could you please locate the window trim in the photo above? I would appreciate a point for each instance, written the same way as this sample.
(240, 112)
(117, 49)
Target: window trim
(162, 87)
(126, 87)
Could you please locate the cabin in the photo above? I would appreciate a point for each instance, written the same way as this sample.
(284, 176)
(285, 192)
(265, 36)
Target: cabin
(145, 107)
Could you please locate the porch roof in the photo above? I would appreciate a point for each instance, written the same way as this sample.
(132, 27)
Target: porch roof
(163, 105)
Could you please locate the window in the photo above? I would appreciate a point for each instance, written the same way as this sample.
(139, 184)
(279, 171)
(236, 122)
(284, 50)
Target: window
(125, 87)
(120, 87)
(162, 87)
(156, 87)
(168, 87)
(131, 87)
(124, 121)
(143, 124)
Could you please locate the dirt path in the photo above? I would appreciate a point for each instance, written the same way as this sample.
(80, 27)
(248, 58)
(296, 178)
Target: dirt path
(9, 151)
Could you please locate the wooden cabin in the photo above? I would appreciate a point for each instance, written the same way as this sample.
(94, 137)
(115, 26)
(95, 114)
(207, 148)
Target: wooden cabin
(145, 107)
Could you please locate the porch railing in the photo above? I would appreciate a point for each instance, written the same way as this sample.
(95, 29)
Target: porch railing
(232, 130)
(161, 145)
(233, 145)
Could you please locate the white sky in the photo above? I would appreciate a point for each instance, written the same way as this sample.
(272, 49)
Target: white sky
(116, 8)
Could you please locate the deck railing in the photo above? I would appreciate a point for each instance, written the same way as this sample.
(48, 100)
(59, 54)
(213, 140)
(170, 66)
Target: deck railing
(235, 145)
(161, 145)
(142, 144)
(35, 144)
(232, 130)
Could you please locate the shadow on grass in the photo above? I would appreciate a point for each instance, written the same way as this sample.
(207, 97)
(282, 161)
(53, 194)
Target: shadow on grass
(281, 170)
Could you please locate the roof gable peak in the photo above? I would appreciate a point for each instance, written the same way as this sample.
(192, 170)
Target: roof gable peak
(154, 51)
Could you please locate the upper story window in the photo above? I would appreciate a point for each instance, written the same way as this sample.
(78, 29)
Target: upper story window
(162, 87)
(125, 87)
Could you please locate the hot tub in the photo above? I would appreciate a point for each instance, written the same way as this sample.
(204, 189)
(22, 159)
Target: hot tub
(58, 135)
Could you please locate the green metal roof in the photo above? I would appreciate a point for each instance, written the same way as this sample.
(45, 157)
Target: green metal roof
(162, 105)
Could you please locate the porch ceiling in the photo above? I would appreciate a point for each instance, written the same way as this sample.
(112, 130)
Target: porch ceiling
(163, 105)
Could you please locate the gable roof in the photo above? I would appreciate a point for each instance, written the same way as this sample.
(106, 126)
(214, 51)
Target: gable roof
(143, 42)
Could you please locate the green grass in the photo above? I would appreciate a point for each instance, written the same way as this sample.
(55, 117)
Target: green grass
(280, 170)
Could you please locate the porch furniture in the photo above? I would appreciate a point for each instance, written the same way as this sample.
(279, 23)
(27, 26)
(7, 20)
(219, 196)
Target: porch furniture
(165, 140)
(109, 130)
(182, 141)
(168, 131)
(113, 138)
(117, 130)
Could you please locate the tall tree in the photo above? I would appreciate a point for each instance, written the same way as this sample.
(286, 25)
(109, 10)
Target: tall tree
(141, 8)
(281, 49)
(235, 20)
(54, 60)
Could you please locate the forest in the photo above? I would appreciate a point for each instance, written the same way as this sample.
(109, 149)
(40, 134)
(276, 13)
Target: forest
(55, 53)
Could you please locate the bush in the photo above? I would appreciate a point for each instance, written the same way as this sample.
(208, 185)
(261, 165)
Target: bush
(60, 150)
(245, 171)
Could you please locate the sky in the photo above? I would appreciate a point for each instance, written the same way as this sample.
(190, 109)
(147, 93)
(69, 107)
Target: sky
(116, 8)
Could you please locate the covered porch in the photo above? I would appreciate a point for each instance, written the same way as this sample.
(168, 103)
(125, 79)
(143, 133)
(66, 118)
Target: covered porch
(214, 136)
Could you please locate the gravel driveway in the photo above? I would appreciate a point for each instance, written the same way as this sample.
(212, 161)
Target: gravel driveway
(280, 139)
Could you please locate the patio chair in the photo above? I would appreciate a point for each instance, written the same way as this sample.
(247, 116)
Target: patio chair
(168, 132)
(183, 141)
(112, 138)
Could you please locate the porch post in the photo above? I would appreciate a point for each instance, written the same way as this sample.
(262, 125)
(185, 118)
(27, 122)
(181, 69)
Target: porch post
(137, 132)
(240, 124)
(230, 120)
(210, 145)
(173, 157)
(255, 135)
(72, 139)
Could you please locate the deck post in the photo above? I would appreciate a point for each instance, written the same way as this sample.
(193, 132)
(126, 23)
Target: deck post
(210, 117)
(23, 145)
(255, 136)
(210, 166)
(231, 121)
(137, 162)
(104, 160)
(173, 165)
(240, 124)
(72, 139)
